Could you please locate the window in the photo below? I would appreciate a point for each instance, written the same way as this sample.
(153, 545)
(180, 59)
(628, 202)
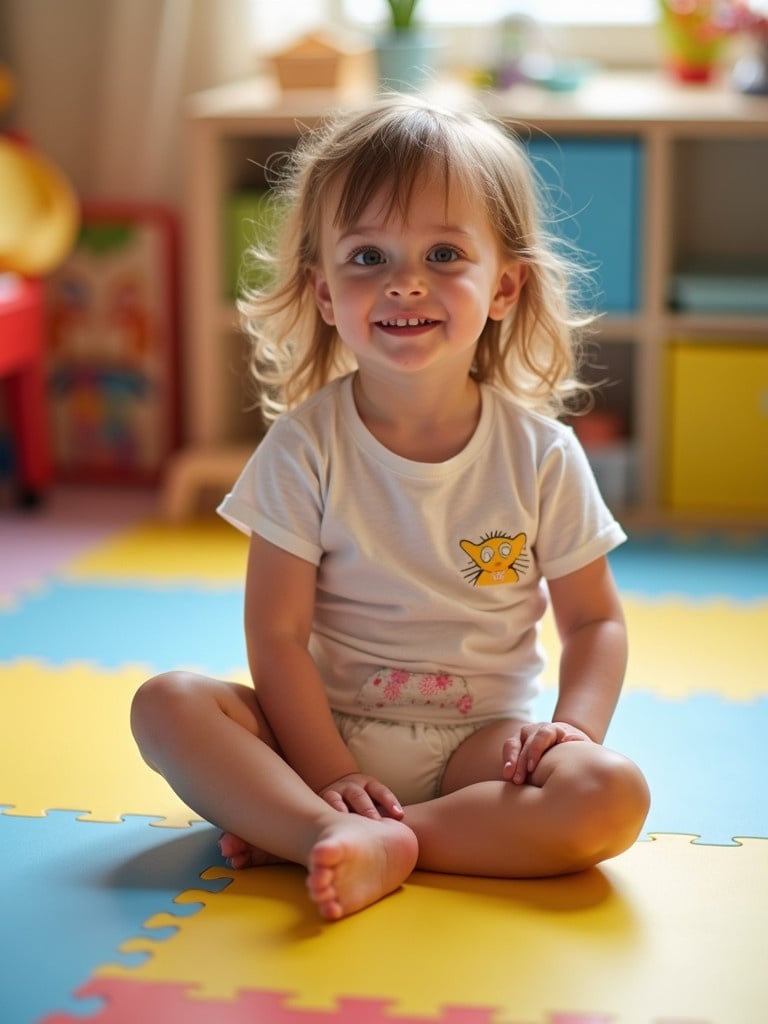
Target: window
(453, 12)
(622, 33)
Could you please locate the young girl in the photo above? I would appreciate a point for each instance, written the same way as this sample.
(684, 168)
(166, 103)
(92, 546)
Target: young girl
(411, 510)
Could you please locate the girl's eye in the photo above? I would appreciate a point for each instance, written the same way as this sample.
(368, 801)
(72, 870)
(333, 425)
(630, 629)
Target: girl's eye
(367, 257)
(443, 254)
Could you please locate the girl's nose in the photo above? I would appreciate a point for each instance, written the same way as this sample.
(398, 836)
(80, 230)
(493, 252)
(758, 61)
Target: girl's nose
(405, 284)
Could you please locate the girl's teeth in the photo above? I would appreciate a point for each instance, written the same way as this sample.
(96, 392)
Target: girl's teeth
(402, 322)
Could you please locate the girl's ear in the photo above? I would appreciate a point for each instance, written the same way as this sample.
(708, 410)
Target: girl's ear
(322, 295)
(511, 283)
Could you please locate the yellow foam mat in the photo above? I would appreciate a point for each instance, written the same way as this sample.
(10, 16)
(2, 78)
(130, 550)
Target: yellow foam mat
(667, 931)
(201, 551)
(65, 743)
(680, 649)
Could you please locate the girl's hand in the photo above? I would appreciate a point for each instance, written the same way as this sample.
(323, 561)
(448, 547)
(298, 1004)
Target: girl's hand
(523, 752)
(362, 794)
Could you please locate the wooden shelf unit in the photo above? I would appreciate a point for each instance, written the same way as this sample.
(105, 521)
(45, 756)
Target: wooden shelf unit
(703, 168)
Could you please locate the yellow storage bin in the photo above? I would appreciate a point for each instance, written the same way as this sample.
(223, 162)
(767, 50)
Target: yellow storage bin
(717, 445)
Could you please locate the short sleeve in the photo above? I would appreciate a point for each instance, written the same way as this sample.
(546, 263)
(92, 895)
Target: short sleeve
(278, 494)
(575, 527)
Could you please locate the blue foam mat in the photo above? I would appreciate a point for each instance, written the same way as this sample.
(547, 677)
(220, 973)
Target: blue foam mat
(702, 759)
(702, 566)
(117, 625)
(71, 892)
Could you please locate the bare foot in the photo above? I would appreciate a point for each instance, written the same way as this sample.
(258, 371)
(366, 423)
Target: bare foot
(239, 854)
(357, 861)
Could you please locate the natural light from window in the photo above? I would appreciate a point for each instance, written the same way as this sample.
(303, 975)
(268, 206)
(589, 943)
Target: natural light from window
(459, 11)
(275, 22)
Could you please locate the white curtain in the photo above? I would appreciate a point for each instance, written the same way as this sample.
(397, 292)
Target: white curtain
(101, 83)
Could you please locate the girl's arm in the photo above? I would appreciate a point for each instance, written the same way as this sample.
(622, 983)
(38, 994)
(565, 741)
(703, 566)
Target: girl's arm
(279, 606)
(593, 660)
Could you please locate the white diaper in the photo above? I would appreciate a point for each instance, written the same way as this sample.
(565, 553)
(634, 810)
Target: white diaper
(408, 757)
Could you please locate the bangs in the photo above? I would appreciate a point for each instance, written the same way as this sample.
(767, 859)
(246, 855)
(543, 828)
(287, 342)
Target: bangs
(397, 158)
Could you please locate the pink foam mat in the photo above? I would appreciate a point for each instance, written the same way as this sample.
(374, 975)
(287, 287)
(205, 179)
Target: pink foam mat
(37, 542)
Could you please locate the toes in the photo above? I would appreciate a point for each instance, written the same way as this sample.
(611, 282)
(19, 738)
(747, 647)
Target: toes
(320, 885)
(331, 911)
(327, 853)
(239, 861)
(231, 846)
(351, 870)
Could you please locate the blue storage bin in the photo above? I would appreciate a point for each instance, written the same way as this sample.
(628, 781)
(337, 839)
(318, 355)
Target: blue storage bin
(593, 188)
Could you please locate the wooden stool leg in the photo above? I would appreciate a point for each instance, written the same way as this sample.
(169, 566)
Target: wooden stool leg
(28, 416)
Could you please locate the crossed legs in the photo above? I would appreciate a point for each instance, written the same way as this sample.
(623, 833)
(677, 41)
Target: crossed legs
(213, 746)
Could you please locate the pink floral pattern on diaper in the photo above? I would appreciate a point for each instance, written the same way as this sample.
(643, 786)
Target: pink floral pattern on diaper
(394, 687)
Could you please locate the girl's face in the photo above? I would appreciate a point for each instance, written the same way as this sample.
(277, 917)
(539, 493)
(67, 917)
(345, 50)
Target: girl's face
(411, 292)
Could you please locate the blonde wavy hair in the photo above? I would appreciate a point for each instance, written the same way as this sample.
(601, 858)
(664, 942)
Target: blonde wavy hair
(532, 354)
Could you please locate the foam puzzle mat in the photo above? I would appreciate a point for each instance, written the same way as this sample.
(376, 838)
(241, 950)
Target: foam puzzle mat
(115, 905)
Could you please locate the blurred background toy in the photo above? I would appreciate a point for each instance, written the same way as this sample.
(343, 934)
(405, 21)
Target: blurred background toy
(39, 220)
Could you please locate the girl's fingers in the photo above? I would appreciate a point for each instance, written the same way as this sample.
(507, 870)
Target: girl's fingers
(386, 800)
(365, 796)
(510, 753)
(537, 740)
(544, 738)
(382, 800)
(335, 799)
(360, 802)
(523, 753)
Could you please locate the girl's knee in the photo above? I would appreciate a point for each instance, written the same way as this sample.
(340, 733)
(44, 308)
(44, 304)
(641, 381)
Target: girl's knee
(157, 705)
(159, 693)
(610, 806)
(171, 708)
(624, 791)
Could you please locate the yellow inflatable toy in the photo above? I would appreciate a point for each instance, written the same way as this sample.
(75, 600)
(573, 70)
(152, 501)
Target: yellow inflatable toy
(39, 212)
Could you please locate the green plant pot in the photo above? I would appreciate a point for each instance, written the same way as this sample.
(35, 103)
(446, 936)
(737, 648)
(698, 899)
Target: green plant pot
(406, 60)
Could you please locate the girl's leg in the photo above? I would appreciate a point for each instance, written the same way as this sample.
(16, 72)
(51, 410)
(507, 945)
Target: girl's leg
(582, 804)
(212, 744)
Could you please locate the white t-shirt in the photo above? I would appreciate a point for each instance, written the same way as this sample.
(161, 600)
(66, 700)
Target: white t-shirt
(430, 582)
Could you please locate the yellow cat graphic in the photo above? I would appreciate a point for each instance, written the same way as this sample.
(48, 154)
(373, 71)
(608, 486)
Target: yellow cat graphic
(496, 560)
